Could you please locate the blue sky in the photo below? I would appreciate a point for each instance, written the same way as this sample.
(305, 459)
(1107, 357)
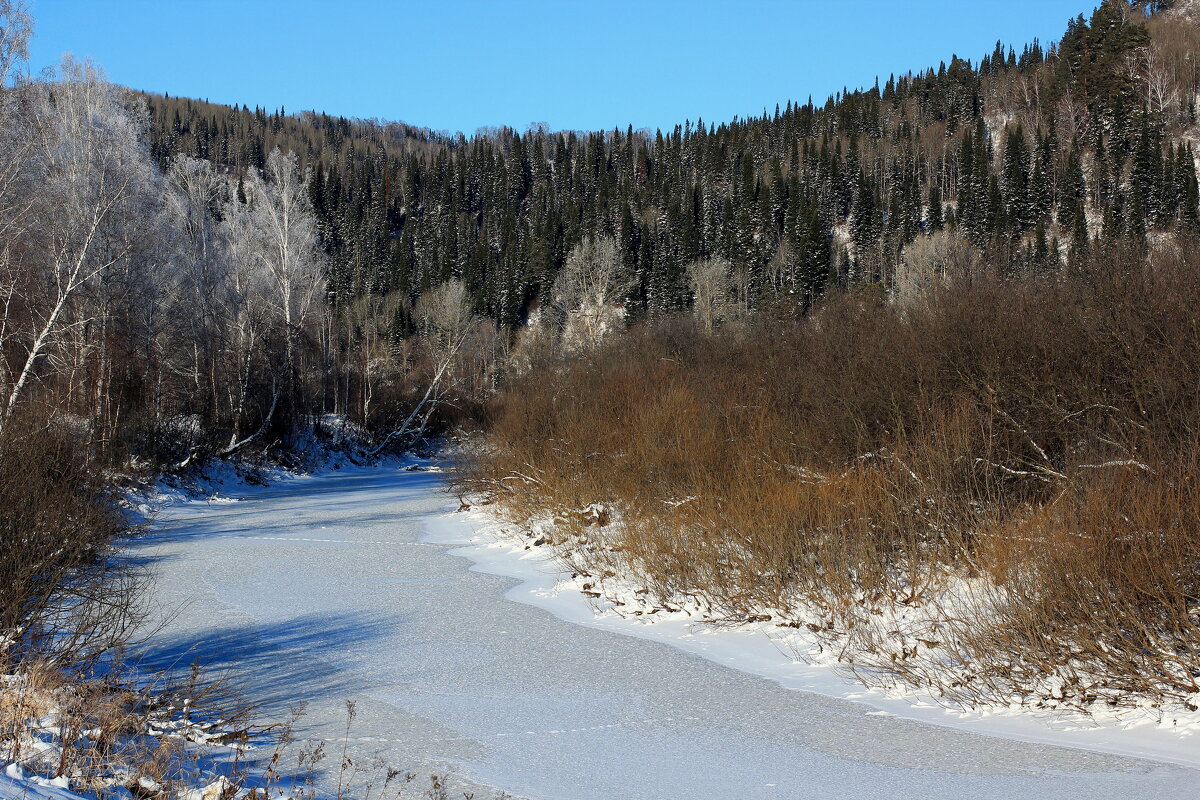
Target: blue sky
(574, 64)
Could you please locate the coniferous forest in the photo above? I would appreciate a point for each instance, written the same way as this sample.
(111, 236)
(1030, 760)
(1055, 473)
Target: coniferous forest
(1028, 155)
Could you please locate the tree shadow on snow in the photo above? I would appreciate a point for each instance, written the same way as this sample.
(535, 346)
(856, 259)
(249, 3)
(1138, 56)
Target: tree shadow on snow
(275, 665)
(350, 485)
(271, 669)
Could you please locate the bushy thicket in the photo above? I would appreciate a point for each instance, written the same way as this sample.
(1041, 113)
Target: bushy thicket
(1033, 439)
(65, 594)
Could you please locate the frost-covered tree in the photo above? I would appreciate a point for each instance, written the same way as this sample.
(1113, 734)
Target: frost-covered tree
(199, 298)
(88, 184)
(711, 282)
(285, 241)
(247, 319)
(16, 26)
(589, 288)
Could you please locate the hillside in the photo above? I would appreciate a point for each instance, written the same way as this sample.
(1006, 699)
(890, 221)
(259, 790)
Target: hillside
(1032, 153)
(906, 379)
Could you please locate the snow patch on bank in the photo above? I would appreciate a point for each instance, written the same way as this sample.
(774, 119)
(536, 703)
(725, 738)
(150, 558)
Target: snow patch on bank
(338, 448)
(793, 657)
(336, 445)
(63, 745)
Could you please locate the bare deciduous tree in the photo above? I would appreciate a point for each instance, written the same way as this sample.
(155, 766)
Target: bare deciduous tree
(246, 318)
(587, 290)
(199, 292)
(87, 174)
(1147, 67)
(282, 219)
(943, 257)
(379, 359)
(444, 321)
(711, 282)
(16, 26)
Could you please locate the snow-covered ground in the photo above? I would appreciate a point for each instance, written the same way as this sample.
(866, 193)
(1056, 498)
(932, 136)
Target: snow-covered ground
(346, 586)
(793, 656)
(102, 740)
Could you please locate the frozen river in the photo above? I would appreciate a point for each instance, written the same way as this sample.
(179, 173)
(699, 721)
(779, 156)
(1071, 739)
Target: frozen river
(322, 590)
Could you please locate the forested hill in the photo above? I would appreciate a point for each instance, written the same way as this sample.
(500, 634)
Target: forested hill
(1032, 153)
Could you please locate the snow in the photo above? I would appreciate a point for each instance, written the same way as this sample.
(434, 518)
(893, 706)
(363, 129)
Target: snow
(764, 648)
(37, 745)
(15, 785)
(345, 586)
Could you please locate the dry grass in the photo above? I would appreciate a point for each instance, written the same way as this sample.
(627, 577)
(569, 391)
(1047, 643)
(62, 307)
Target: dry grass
(90, 730)
(1036, 437)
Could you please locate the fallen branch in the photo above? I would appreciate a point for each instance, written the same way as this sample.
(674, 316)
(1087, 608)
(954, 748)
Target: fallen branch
(233, 448)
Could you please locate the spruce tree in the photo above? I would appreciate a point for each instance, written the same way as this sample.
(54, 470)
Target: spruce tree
(934, 220)
(1016, 186)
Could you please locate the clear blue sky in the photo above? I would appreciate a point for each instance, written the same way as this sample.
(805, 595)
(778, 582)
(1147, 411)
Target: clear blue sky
(575, 64)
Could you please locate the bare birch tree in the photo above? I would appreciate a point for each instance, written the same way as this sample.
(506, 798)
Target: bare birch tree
(247, 318)
(289, 250)
(86, 171)
(16, 26)
(1162, 95)
(200, 298)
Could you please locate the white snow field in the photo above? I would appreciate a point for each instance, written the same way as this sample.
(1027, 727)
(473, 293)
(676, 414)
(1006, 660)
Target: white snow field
(342, 587)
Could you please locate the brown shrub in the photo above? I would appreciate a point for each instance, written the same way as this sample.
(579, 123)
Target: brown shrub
(65, 597)
(1039, 433)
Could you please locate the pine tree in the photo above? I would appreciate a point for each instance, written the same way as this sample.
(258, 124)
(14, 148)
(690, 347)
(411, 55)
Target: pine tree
(1146, 177)
(1072, 190)
(1041, 188)
(1189, 191)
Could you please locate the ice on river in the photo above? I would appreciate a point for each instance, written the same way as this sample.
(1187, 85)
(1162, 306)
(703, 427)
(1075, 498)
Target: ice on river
(324, 589)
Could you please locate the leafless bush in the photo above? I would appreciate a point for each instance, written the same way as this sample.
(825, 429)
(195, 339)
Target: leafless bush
(66, 596)
(1036, 437)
